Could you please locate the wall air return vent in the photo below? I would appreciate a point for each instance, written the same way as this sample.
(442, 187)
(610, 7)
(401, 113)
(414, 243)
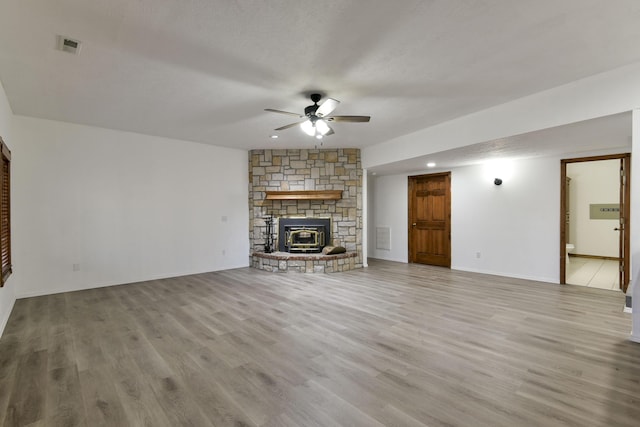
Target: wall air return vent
(66, 44)
(383, 238)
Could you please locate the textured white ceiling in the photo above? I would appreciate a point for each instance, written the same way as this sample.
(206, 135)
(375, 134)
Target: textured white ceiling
(204, 70)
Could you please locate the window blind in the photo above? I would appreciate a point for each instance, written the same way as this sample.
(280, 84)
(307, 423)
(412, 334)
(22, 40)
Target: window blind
(5, 212)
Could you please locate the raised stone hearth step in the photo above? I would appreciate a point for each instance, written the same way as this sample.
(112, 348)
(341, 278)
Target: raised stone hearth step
(284, 262)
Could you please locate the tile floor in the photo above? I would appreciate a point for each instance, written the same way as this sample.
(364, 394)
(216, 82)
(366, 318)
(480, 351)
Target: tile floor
(593, 273)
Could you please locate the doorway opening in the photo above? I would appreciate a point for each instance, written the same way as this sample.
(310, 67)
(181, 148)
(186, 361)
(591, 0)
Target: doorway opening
(594, 225)
(430, 219)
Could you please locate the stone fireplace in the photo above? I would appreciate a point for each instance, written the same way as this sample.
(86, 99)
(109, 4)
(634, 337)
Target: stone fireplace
(286, 186)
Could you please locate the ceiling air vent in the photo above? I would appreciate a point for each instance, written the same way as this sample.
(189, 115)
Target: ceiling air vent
(66, 44)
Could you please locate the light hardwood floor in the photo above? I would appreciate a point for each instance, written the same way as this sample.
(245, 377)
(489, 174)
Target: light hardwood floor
(393, 344)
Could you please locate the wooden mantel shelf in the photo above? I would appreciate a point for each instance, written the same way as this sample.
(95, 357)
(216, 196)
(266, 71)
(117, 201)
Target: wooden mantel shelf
(305, 195)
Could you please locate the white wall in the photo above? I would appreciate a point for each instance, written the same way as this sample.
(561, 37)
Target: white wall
(7, 293)
(515, 226)
(593, 183)
(369, 208)
(389, 202)
(124, 207)
(634, 290)
(365, 219)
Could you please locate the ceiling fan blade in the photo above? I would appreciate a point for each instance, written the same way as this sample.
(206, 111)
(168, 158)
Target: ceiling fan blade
(353, 119)
(331, 132)
(283, 112)
(290, 126)
(327, 106)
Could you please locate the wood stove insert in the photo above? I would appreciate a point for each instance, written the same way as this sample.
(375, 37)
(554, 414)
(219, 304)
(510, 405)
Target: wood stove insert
(303, 235)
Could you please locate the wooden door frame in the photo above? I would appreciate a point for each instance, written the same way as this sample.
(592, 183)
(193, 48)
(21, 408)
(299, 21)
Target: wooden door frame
(563, 208)
(410, 249)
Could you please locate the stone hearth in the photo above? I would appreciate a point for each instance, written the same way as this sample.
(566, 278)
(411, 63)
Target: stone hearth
(284, 262)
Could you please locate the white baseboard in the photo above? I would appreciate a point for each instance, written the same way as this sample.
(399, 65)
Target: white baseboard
(59, 290)
(627, 310)
(404, 261)
(634, 338)
(503, 274)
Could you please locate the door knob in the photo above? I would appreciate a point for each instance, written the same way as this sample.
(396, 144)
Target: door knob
(616, 229)
(414, 224)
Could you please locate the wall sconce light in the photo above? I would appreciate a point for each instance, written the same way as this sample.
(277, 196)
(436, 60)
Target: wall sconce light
(502, 168)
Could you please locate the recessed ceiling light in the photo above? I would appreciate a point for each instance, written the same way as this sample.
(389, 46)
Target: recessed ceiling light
(274, 137)
(431, 165)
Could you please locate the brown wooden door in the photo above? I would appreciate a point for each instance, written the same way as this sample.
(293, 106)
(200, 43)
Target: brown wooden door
(430, 219)
(625, 166)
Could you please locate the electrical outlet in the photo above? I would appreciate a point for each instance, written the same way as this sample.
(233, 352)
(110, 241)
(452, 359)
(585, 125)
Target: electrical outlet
(76, 267)
(477, 254)
(224, 252)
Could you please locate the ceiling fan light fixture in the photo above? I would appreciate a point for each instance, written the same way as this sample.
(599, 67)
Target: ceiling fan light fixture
(308, 127)
(322, 127)
(316, 117)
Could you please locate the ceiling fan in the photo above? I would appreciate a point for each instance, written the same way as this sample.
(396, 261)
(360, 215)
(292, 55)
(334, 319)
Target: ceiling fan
(317, 117)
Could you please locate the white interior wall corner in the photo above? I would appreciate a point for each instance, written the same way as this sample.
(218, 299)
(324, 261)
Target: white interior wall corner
(635, 227)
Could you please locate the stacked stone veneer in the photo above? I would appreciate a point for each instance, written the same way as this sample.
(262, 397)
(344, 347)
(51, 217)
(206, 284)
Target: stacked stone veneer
(309, 263)
(299, 169)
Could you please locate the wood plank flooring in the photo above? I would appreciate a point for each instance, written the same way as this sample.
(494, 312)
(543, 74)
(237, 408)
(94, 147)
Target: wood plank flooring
(392, 344)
